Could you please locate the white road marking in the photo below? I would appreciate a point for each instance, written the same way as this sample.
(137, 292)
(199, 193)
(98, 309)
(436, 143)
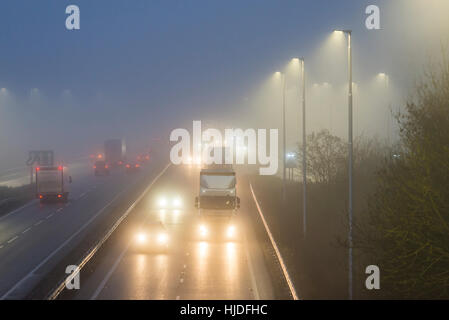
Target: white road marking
(18, 209)
(251, 271)
(109, 274)
(275, 247)
(12, 239)
(1, 246)
(60, 209)
(87, 258)
(26, 230)
(50, 215)
(30, 274)
(39, 222)
(82, 195)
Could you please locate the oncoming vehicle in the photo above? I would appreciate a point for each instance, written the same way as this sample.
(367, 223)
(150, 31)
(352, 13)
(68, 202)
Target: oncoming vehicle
(101, 168)
(217, 203)
(169, 202)
(151, 237)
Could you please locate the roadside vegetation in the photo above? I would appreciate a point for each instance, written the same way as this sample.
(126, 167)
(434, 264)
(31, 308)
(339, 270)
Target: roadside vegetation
(401, 206)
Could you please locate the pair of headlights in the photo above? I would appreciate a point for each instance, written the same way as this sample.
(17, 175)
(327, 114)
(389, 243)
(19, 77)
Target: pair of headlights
(230, 231)
(165, 202)
(161, 238)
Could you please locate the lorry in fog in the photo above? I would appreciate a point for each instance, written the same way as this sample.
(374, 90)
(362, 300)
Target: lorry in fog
(101, 168)
(52, 183)
(114, 152)
(217, 202)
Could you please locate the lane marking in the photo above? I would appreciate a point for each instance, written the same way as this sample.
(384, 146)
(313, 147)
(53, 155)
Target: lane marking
(50, 215)
(86, 259)
(82, 195)
(251, 270)
(38, 223)
(278, 253)
(18, 209)
(1, 246)
(26, 230)
(60, 209)
(109, 274)
(30, 274)
(12, 239)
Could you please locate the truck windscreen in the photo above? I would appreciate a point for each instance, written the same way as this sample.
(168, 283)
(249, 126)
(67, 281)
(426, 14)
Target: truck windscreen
(217, 181)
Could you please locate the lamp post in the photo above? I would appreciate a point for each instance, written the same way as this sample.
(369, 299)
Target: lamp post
(383, 76)
(350, 147)
(304, 150)
(283, 139)
(282, 78)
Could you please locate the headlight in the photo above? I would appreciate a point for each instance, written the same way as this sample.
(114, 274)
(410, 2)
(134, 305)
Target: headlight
(177, 202)
(203, 230)
(141, 237)
(162, 202)
(231, 231)
(162, 238)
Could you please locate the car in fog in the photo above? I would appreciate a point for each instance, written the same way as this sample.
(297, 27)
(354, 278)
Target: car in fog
(151, 237)
(143, 158)
(169, 202)
(132, 167)
(101, 168)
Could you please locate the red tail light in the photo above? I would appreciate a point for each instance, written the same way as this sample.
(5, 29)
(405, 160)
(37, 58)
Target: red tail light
(40, 196)
(106, 166)
(60, 168)
(59, 196)
(95, 167)
(127, 165)
(37, 168)
(137, 165)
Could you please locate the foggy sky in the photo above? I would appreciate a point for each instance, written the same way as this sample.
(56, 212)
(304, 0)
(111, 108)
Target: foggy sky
(141, 68)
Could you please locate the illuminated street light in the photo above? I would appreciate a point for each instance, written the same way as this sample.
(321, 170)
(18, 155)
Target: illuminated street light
(384, 77)
(304, 150)
(282, 77)
(350, 147)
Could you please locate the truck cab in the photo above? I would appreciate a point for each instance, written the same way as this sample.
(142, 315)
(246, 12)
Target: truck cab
(218, 189)
(217, 203)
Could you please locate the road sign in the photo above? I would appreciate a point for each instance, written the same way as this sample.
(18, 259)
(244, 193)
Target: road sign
(40, 157)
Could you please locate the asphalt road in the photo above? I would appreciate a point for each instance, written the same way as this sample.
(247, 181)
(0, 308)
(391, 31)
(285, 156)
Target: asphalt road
(36, 235)
(190, 268)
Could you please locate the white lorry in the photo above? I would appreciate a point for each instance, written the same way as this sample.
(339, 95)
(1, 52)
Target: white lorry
(52, 183)
(217, 202)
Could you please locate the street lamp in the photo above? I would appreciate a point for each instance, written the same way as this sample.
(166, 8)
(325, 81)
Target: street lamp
(304, 150)
(283, 139)
(282, 77)
(383, 76)
(350, 147)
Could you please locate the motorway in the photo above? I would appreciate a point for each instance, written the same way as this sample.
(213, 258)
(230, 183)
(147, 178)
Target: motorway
(34, 237)
(192, 268)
